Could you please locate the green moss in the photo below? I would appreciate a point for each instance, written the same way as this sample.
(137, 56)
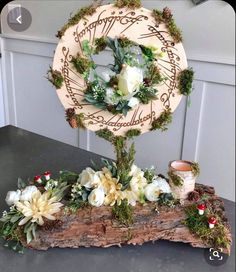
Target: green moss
(163, 121)
(106, 134)
(176, 180)
(114, 82)
(55, 77)
(133, 133)
(154, 75)
(80, 120)
(100, 44)
(198, 225)
(185, 81)
(81, 14)
(195, 169)
(132, 4)
(81, 64)
(166, 200)
(166, 17)
(123, 213)
(149, 174)
(125, 42)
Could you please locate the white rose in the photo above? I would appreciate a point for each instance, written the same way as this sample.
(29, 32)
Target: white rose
(27, 193)
(138, 181)
(163, 185)
(154, 189)
(89, 178)
(130, 79)
(13, 197)
(96, 197)
(133, 102)
(130, 196)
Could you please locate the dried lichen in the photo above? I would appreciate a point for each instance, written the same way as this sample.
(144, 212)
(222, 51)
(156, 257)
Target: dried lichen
(100, 44)
(198, 225)
(123, 213)
(81, 14)
(133, 133)
(175, 179)
(166, 17)
(195, 169)
(81, 64)
(185, 81)
(55, 77)
(131, 4)
(163, 121)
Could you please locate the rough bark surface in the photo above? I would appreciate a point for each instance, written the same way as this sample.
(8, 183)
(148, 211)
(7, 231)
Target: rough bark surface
(92, 226)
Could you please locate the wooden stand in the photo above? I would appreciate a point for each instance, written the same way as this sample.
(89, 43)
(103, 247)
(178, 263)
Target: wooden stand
(92, 226)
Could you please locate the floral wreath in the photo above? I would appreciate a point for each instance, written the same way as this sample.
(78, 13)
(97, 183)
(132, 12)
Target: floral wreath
(131, 80)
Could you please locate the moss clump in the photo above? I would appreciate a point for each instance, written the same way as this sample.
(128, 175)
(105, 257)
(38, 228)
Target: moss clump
(163, 121)
(175, 179)
(81, 64)
(154, 75)
(185, 81)
(100, 44)
(195, 169)
(106, 134)
(81, 14)
(165, 16)
(114, 82)
(198, 225)
(125, 42)
(55, 77)
(123, 213)
(80, 120)
(132, 4)
(133, 133)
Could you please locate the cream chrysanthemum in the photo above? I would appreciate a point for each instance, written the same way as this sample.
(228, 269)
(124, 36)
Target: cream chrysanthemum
(111, 188)
(41, 205)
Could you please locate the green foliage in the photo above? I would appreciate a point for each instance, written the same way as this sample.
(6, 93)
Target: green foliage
(133, 133)
(146, 94)
(106, 134)
(111, 166)
(81, 64)
(176, 180)
(55, 77)
(132, 4)
(125, 42)
(166, 199)
(163, 121)
(81, 14)
(149, 174)
(174, 31)
(148, 53)
(80, 120)
(100, 44)
(185, 81)
(154, 75)
(195, 169)
(123, 213)
(198, 225)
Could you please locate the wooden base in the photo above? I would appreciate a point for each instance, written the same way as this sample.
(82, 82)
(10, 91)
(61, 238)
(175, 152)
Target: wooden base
(96, 227)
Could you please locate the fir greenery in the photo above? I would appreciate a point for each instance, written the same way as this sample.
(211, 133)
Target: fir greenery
(81, 14)
(185, 81)
(174, 31)
(123, 213)
(132, 4)
(163, 121)
(198, 225)
(55, 77)
(175, 179)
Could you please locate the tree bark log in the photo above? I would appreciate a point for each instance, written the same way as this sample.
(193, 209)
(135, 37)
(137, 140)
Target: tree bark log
(92, 226)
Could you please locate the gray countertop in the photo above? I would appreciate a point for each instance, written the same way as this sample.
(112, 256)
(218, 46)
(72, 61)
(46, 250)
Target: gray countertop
(25, 154)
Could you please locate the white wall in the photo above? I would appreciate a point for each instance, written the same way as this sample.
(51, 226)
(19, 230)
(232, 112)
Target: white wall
(203, 132)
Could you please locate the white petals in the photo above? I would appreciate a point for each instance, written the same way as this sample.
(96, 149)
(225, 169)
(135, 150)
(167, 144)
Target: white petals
(133, 102)
(154, 189)
(13, 197)
(28, 192)
(96, 197)
(89, 178)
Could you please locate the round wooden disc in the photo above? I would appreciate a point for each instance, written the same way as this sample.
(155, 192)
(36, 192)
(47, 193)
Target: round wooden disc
(139, 26)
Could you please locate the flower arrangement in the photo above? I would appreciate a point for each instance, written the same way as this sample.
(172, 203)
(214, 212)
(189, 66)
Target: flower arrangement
(133, 79)
(37, 202)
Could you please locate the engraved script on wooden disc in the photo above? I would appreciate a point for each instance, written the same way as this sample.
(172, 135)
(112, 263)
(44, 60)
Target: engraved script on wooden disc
(139, 26)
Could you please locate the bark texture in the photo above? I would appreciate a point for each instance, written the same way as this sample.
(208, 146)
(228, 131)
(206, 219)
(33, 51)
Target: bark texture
(92, 226)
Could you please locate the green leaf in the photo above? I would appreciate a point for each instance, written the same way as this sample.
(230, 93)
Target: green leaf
(29, 236)
(21, 184)
(15, 218)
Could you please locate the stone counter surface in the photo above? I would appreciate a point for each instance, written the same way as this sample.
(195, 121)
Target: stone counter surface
(24, 154)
